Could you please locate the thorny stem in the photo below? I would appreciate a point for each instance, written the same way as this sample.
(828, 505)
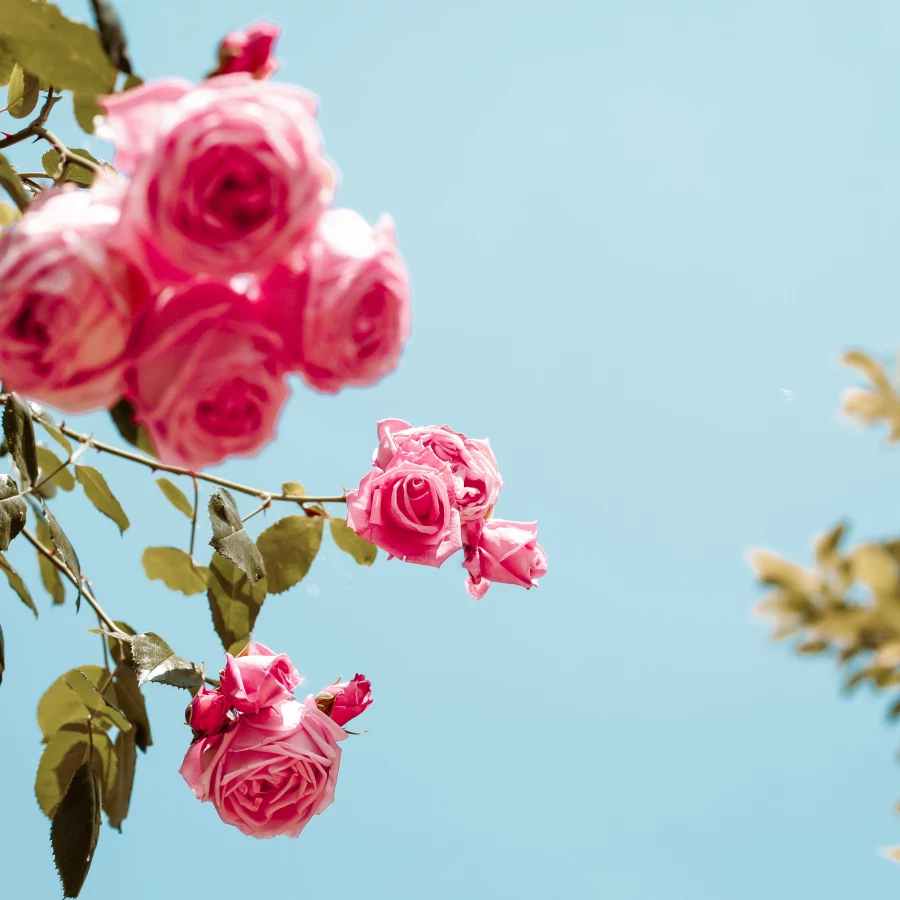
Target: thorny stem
(68, 157)
(29, 130)
(194, 517)
(267, 502)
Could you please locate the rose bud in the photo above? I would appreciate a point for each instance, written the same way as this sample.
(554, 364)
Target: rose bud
(208, 712)
(345, 701)
(249, 51)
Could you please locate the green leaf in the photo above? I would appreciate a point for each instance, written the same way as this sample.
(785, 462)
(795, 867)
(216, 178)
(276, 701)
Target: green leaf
(233, 601)
(155, 660)
(13, 512)
(132, 81)
(23, 93)
(117, 801)
(112, 35)
(8, 215)
(7, 62)
(293, 488)
(75, 829)
(84, 689)
(66, 750)
(52, 160)
(49, 463)
(350, 542)
(64, 53)
(19, 430)
(131, 700)
(175, 569)
(288, 548)
(61, 706)
(176, 497)
(10, 182)
(86, 110)
(16, 583)
(64, 550)
(230, 539)
(123, 418)
(49, 573)
(49, 425)
(97, 491)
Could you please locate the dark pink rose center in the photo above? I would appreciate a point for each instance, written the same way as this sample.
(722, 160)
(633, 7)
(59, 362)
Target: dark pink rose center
(369, 324)
(33, 323)
(235, 409)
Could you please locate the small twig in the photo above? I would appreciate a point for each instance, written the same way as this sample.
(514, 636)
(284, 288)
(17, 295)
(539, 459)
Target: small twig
(68, 157)
(194, 517)
(30, 129)
(267, 502)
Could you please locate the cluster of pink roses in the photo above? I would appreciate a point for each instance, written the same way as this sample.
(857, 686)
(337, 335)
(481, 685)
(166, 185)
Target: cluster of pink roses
(432, 492)
(266, 762)
(217, 269)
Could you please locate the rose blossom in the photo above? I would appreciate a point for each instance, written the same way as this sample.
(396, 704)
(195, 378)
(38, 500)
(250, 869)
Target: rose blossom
(205, 382)
(343, 304)
(227, 176)
(506, 552)
(250, 51)
(270, 772)
(66, 301)
(408, 510)
(208, 711)
(345, 701)
(472, 461)
(258, 677)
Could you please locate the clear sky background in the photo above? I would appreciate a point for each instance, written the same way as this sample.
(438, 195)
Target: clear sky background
(630, 225)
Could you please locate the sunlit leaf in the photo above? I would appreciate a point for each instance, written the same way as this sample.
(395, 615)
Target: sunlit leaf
(8, 215)
(176, 497)
(23, 93)
(175, 569)
(350, 542)
(49, 463)
(7, 62)
(10, 182)
(91, 697)
(289, 548)
(293, 489)
(97, 491)
(49, 425)
(52, 162)
(16, 583)
(50, 576)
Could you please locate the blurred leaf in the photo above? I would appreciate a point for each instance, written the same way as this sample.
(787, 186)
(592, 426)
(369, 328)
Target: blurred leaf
(293, 488)
(11, 183)
(23, 93)
(289, 548)
(873, 566)
(75, 829)
(19, 430)
(176, 497)
(8, 215)
(123, 418)
(175, 569)
(64, 550)
(773, 569)
(155, 660)
(49, 573)
(13, 512)
(66, 750)
(97, 491)
(117, 801)
(350, 542)
(7, 61)
(52, 160)
(91, 697)
(49, 463)
(132, 81)
(86, 111)
(112, 35)
(233, 601)
(16, 583)
(64, 53)
(50, 426)
(826, 546)
(229, 537)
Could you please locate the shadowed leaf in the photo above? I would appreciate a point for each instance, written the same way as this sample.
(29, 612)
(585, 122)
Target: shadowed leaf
(112, 35)
(8, 215)
(16, 583)
(176, 496)
(155, 660)
(233, 601)
(350, 542)
(175, 569)
(19, 430)
(13, 511)
(294, 489)
(131, 700)
(50, 426)
(64, 550)
(91, 697)
(75, 829)
(52, 162)
(117, 801)
(60, 705)
(66, 750)
(97, 491)
(289, 548)
(230, 539)
(49, 573)
(123, 418)
(11, 183)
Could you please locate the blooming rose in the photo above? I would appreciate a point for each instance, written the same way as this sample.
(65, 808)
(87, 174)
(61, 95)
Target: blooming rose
(258, 677)
(472, 461)
(208, 711)
(66, 301)
(345, 701)
(409, 510)
(227, 176)
(250, 51)
(507, 552)
(204, 382)
(343, 304)
(270, 772)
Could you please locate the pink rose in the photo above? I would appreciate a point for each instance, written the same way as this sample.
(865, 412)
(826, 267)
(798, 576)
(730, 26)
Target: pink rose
(227, 176)
(250, 51)
(208, 712)
(507, 552)
(409, 510)
(345, 701)
(66, 301)
(343, 305)
(472, 461)
(258, 678)
(205, 382)
(269, 773)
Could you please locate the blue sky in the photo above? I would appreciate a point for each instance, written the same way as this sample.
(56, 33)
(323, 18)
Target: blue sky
(630, 225)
